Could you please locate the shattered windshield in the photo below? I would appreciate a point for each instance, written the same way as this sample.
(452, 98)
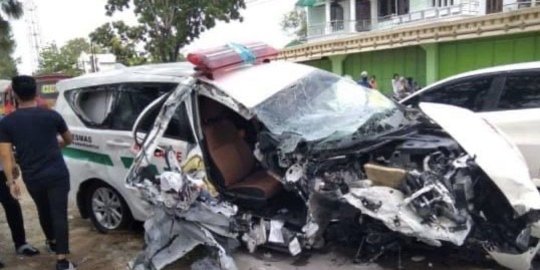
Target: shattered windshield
(323, 105)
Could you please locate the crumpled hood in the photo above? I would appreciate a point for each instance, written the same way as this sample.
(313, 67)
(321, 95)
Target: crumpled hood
(494, 153)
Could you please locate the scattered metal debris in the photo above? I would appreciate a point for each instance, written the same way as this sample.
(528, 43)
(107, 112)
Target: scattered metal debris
(400, 178)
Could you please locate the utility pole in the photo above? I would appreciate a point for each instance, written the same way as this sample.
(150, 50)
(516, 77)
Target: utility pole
(34, 31)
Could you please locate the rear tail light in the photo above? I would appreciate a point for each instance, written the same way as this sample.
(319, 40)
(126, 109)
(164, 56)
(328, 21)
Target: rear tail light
(231, 55)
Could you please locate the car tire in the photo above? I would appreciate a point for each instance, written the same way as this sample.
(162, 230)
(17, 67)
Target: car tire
(107, 209)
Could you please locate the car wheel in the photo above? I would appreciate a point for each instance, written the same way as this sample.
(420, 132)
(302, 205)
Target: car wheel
(108, 210)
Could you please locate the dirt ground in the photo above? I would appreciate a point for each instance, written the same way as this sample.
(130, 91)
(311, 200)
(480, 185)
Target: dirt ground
(90, 249)
(94, 251)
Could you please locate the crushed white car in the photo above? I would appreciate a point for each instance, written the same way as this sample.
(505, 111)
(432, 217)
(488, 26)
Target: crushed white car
(285, 151)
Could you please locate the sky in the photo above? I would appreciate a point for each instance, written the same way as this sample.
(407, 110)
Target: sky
(62, 20)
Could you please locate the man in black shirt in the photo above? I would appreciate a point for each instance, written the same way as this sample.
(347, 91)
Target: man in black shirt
(34, 132)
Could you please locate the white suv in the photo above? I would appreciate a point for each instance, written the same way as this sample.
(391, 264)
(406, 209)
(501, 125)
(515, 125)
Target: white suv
(100, 110)
(507, 96)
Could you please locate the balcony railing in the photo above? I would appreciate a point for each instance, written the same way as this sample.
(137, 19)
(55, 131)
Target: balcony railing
(521, 5)
(338, 27)
(426, 15)
(436, 13)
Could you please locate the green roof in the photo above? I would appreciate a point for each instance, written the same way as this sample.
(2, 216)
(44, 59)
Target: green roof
(309, 3)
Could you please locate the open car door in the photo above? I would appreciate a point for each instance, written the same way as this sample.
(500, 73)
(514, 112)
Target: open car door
(172, 127)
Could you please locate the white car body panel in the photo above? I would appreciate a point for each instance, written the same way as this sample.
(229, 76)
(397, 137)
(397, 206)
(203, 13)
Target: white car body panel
(238, 83)
(490, 70)
(113, 147)
(148, 73)
(488, 145)
(523, 127)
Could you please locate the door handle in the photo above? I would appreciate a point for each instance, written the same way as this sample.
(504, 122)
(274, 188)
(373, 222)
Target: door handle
(118, 144)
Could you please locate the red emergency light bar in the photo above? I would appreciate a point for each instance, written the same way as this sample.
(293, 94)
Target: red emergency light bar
(230, 55)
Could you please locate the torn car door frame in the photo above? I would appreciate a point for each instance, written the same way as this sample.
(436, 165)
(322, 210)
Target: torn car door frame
(191, 88)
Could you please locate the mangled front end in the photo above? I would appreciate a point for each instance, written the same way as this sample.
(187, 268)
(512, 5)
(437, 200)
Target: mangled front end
(437, 187)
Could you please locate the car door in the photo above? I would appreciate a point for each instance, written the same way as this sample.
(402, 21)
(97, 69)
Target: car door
(90, 155)
(177, 137)
(104, 142)
(132, 100)
(517, 113)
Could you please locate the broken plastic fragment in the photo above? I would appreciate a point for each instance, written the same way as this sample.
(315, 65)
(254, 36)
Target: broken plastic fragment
(256, 236)
(276, 236)
(409, 223)
(521, 261)
(310, 229)
(171, 181)
(294, 247)
(294, 173)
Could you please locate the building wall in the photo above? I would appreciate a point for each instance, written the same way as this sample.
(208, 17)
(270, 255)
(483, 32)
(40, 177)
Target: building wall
(482, 7)
(416, 5)
(346, 10)
(408, 62)
(450, 58)
(323, 63)
(461, 56)
(316, 15)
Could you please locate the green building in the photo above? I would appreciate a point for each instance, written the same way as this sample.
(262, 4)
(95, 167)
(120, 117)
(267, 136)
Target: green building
(428, 40)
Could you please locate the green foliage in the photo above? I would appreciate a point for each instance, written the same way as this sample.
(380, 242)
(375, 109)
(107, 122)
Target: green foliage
(53, 59)
(8, 9)
(8, 66)
(122, 41)
(164, 27)
(295, 23)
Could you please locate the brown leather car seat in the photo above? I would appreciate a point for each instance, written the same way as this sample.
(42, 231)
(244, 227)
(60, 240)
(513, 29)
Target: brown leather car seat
(233, 157)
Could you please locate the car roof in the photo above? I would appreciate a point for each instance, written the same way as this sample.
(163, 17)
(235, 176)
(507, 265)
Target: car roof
(489, 70)
(170, 72)
(251, 85)
(248, 85)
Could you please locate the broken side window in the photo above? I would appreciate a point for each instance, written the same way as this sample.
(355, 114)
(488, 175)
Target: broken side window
(92, 105)
(131, 99)
(178, 128)
(114, 106)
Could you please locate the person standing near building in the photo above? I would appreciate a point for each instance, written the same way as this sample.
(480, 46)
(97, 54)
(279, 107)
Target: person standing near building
(395, 84)
(364, 80)
(33, 131)
(373, 82)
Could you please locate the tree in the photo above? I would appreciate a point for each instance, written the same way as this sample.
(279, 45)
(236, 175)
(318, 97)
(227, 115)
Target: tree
(122, 41)
(64, 60)
(164, 27)
(295, 24)
(9, 9)
(8, 66)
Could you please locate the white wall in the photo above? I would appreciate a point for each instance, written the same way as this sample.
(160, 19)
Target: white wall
(316, 15)
(509, 5)
(416, 5)
(482, 7)
(346, 9)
